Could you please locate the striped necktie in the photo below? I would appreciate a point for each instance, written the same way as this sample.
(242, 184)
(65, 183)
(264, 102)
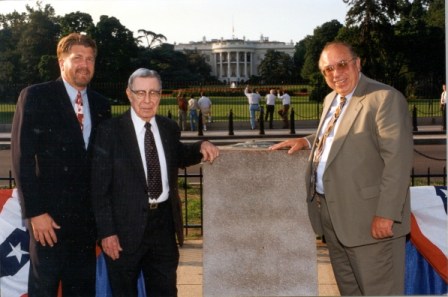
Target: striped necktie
(321, 142)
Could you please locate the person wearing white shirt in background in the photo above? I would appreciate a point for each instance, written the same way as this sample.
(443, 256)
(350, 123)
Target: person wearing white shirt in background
(253, 98)
(270, 106)
(286, 101)
(205, 105)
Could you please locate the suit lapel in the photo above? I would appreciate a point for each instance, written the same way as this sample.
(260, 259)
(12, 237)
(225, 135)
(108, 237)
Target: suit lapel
(68, 113)
(327, 104)
(130, 144)
(350, 115)
(164, 137)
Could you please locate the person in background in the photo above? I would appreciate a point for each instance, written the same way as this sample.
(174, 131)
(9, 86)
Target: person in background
(270, 107)
(205, 105)
(52, 134)
(136, 203)
(286, 102)
(443, 106)
(193, 112)
(182, 111)
(358, 176)
(253, 98)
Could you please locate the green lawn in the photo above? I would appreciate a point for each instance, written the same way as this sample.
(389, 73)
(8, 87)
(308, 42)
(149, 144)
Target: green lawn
(221, 106)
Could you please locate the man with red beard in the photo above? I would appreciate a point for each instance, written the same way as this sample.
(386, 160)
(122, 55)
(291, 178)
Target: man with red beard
(53, 128)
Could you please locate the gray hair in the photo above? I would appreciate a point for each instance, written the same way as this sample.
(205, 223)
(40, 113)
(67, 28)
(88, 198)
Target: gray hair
(144, 72)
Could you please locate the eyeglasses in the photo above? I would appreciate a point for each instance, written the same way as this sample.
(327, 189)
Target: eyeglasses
(141, 94)
(341, 65)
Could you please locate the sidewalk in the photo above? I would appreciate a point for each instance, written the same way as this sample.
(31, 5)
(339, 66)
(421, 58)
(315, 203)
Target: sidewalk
(189, 273)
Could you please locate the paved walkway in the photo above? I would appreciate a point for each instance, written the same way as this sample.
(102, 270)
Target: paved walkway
(189, 278)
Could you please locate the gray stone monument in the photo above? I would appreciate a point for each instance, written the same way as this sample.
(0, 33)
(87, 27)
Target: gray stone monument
(257, 237)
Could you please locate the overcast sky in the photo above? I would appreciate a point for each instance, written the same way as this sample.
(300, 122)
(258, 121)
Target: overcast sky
(182, 21)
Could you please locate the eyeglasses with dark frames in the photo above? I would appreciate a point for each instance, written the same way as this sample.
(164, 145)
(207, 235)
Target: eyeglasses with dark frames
(152, 94)
(341, 65)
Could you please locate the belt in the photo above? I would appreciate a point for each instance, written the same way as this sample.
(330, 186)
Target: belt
(154, 206)
(254, 104)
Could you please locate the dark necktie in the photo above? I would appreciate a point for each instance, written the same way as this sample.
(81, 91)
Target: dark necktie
(152, 164)
(79, 109)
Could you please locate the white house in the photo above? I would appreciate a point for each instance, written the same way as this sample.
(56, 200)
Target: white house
(235, 60)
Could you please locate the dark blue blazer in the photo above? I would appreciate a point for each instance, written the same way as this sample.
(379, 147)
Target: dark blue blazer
(120, 200)
(50, 162)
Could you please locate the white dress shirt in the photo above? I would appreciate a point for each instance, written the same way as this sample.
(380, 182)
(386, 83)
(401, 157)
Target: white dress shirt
(329, 141)
(139, 126)
(252, 98)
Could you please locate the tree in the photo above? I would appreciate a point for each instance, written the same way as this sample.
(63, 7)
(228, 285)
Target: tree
(151, 38)
(276, 67)
(11, 29)
(38, 38)
(117, 50)
(314, 45)
(299, 58)
(77, 22)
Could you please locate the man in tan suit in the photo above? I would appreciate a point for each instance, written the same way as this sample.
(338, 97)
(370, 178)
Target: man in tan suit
(358, 189)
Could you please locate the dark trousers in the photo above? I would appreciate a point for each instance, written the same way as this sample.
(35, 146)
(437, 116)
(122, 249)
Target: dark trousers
(157, 256)
(285, 116)
(269, 114)
(70, 261)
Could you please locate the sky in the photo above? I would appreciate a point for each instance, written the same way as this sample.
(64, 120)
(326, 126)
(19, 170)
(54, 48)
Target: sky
(182, 21)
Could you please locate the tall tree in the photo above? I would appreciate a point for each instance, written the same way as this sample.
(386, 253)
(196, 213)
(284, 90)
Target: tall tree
(276, 67)
(77, 22)
(117, 49)
(299, 58)
(152, 39)
(11, 26)
(314, 44)
(372, 21)
(38, 38)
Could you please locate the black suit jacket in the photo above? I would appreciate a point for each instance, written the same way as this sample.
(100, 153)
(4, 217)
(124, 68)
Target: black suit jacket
(120, 200)
(50, 163)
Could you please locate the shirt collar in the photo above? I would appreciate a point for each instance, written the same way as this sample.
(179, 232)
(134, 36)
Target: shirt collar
(72, 92)
(139, 124)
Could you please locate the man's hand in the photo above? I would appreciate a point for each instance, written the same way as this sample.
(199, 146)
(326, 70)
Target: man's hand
(209, 151)
(294, 145)
(382, 228)
(43, 229)
(111, 246)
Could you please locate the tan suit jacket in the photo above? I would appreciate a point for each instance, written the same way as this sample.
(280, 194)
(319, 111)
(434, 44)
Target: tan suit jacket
(369, 164)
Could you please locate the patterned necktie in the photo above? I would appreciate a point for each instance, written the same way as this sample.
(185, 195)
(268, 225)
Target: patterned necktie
(321, 142)
(152, 164)
(79, 109)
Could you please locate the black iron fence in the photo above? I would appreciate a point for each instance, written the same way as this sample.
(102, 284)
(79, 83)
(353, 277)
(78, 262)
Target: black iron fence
(224, 99)
(190, 190)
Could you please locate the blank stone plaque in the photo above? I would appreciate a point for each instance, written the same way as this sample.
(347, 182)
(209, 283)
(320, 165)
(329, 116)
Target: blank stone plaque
(258, 240)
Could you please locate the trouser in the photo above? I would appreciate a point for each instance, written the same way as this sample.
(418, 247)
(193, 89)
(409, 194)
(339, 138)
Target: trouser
(285, 116)
(70, 261)
(157, 256)
(182, 119)
(253, 108)
(193, 119)
(270, 115)
(374, 269)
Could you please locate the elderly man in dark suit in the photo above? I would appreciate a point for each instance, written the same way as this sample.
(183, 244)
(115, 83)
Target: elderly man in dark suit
(358, 176)
(52, 132)
(135, 198)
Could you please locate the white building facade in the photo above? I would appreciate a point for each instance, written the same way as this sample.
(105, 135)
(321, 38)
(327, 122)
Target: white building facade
(235, 60)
